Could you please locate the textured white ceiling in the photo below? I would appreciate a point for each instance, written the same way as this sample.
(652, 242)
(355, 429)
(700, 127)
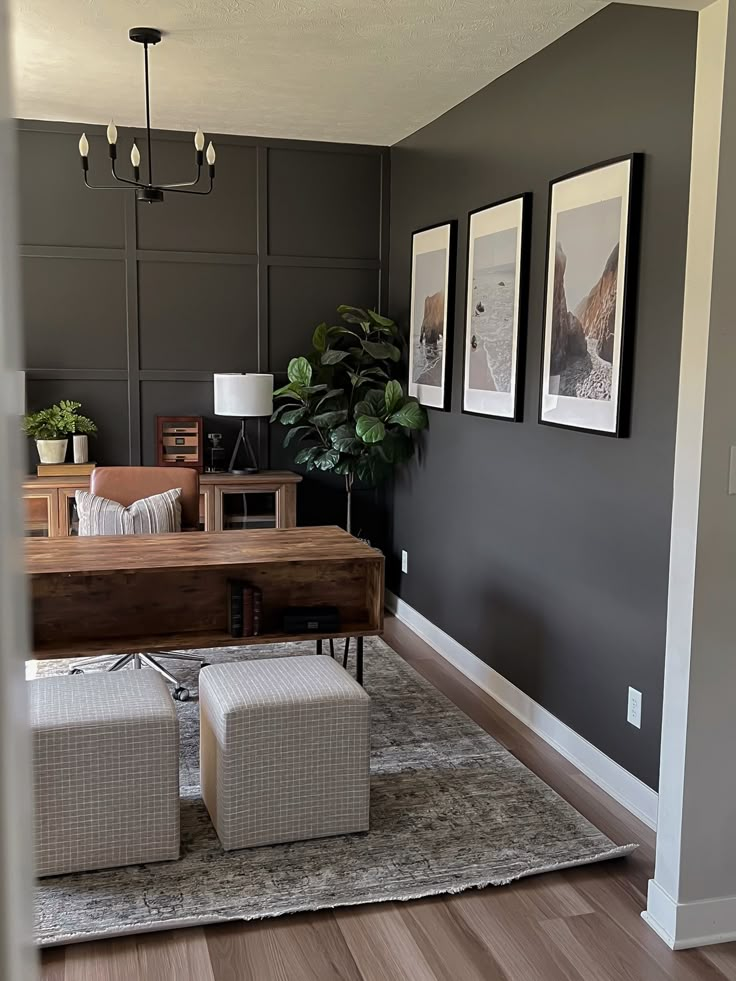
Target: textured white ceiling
(369, 71)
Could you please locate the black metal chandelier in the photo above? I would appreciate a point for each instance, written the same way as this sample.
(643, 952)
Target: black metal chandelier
(146, 190)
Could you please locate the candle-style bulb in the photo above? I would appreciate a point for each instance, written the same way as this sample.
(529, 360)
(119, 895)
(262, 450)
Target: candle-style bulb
(211, 155)
(199, 140)
(83, 145)
(112, 134)
(135, 155)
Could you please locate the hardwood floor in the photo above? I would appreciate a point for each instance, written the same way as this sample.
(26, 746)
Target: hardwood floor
(577, 925)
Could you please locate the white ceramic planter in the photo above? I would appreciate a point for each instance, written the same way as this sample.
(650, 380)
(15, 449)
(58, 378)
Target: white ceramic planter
(81, 448)
(52, 450)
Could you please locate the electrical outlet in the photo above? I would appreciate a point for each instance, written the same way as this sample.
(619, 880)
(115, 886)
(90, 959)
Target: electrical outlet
(404, 560)
(633, 715)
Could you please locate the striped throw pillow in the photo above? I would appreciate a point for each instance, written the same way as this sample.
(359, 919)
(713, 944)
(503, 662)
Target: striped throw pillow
(149, 516)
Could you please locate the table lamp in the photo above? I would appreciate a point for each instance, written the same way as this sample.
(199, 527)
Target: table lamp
(246, 396)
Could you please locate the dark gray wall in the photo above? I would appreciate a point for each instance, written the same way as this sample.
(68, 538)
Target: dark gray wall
(545, 551)
(130, 308)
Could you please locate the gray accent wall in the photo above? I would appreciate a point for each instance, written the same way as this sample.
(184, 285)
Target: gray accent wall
(545, 551)
(129, 308)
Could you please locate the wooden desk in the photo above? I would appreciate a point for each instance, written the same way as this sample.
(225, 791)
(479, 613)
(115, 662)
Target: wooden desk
(117, 595)
(270, 497)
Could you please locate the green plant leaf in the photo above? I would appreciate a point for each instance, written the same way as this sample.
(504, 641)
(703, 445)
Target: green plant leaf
(353, 315)
(381, 321)
(319, 337)
(362, 408)
(307, 453)
(381, 350)
(393, 395)
(339, 330)
(314, 389)
(333, 356)
(396, 447)
(292, 433)
(279, 409)
(327, 460)
(370, 429)
(332, 393)
(294, 415)
(326, 420)
(300, 371)
(345, 466)
(412, 416)
(344, 440)
(288, 389)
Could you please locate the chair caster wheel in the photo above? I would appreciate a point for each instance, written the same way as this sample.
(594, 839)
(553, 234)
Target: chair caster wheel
(181, 694)
(76, 671)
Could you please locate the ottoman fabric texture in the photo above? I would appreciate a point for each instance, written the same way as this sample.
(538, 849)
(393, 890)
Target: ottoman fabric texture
(284, 750)
(105, 771)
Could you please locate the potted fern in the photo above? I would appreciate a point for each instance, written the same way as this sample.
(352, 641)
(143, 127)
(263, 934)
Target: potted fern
(343, 405)
(51, 428)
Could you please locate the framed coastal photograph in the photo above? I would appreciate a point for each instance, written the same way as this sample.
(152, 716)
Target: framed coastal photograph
(589, 304)
(430, 343)
(495, 307)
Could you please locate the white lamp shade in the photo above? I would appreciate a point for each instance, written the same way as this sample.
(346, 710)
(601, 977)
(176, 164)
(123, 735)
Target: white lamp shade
(243, 395)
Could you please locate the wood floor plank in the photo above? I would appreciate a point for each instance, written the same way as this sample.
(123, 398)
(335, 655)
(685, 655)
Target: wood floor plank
(309, 947)
(613, 895)
(52, 964)
(103, 960)
(723, 957)
(383, 945)
(515, 942)
(601, 950)
(173, 955)
(450, 947)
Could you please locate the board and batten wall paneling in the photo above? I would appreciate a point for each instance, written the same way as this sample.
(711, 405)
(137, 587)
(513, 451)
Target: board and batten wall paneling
(545, 551)
(130, 308)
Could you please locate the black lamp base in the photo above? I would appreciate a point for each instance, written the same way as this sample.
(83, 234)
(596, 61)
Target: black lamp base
(251, 463)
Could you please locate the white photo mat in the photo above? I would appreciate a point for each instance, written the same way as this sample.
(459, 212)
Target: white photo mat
(498, 218)
(431, 240)
(599, 185)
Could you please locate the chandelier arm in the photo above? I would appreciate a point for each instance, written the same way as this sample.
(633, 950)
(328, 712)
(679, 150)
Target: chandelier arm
(184, 190)
(124, 180)
(172, 187)
(102, 187)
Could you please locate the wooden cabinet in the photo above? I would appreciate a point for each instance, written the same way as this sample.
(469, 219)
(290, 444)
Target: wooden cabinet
(227, 502)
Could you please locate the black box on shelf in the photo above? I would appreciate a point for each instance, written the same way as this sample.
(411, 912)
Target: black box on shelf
(311, 620)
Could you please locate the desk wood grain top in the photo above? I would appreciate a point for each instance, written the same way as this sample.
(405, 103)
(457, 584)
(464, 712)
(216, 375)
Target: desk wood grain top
(46, 556)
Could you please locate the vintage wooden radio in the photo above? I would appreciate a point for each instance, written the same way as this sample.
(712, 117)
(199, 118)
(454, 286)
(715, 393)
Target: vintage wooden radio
(179, 441)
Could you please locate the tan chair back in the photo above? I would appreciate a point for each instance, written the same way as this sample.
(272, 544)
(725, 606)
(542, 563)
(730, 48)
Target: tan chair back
(129, 484)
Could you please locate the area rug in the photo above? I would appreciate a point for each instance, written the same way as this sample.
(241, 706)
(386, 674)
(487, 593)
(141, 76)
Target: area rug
(451, 809)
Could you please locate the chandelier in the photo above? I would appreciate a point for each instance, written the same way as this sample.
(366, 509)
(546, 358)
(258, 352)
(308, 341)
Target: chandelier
(147, 190)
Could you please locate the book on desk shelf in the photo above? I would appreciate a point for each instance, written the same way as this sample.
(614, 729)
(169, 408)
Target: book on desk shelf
(64, 469)
(245, 608)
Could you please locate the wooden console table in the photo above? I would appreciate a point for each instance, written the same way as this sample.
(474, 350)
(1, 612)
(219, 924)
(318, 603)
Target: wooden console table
(227, 502)
(118, 595)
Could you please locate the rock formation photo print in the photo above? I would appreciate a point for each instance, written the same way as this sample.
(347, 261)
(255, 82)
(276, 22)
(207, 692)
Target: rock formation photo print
(432, 265)
(589, 250)
(496, 292)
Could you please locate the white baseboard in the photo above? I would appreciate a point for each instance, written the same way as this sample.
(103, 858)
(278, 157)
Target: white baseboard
(683, 925)
(601, 769)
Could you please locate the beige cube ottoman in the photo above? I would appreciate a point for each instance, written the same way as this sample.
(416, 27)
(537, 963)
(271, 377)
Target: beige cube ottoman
(105, 771)
(284, 750)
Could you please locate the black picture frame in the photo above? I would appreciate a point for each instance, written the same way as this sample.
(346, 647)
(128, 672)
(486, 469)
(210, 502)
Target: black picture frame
(445, 403)
(522, 313)
(629, 263)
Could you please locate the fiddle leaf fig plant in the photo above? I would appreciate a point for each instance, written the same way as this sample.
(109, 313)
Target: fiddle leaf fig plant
(343, 405)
